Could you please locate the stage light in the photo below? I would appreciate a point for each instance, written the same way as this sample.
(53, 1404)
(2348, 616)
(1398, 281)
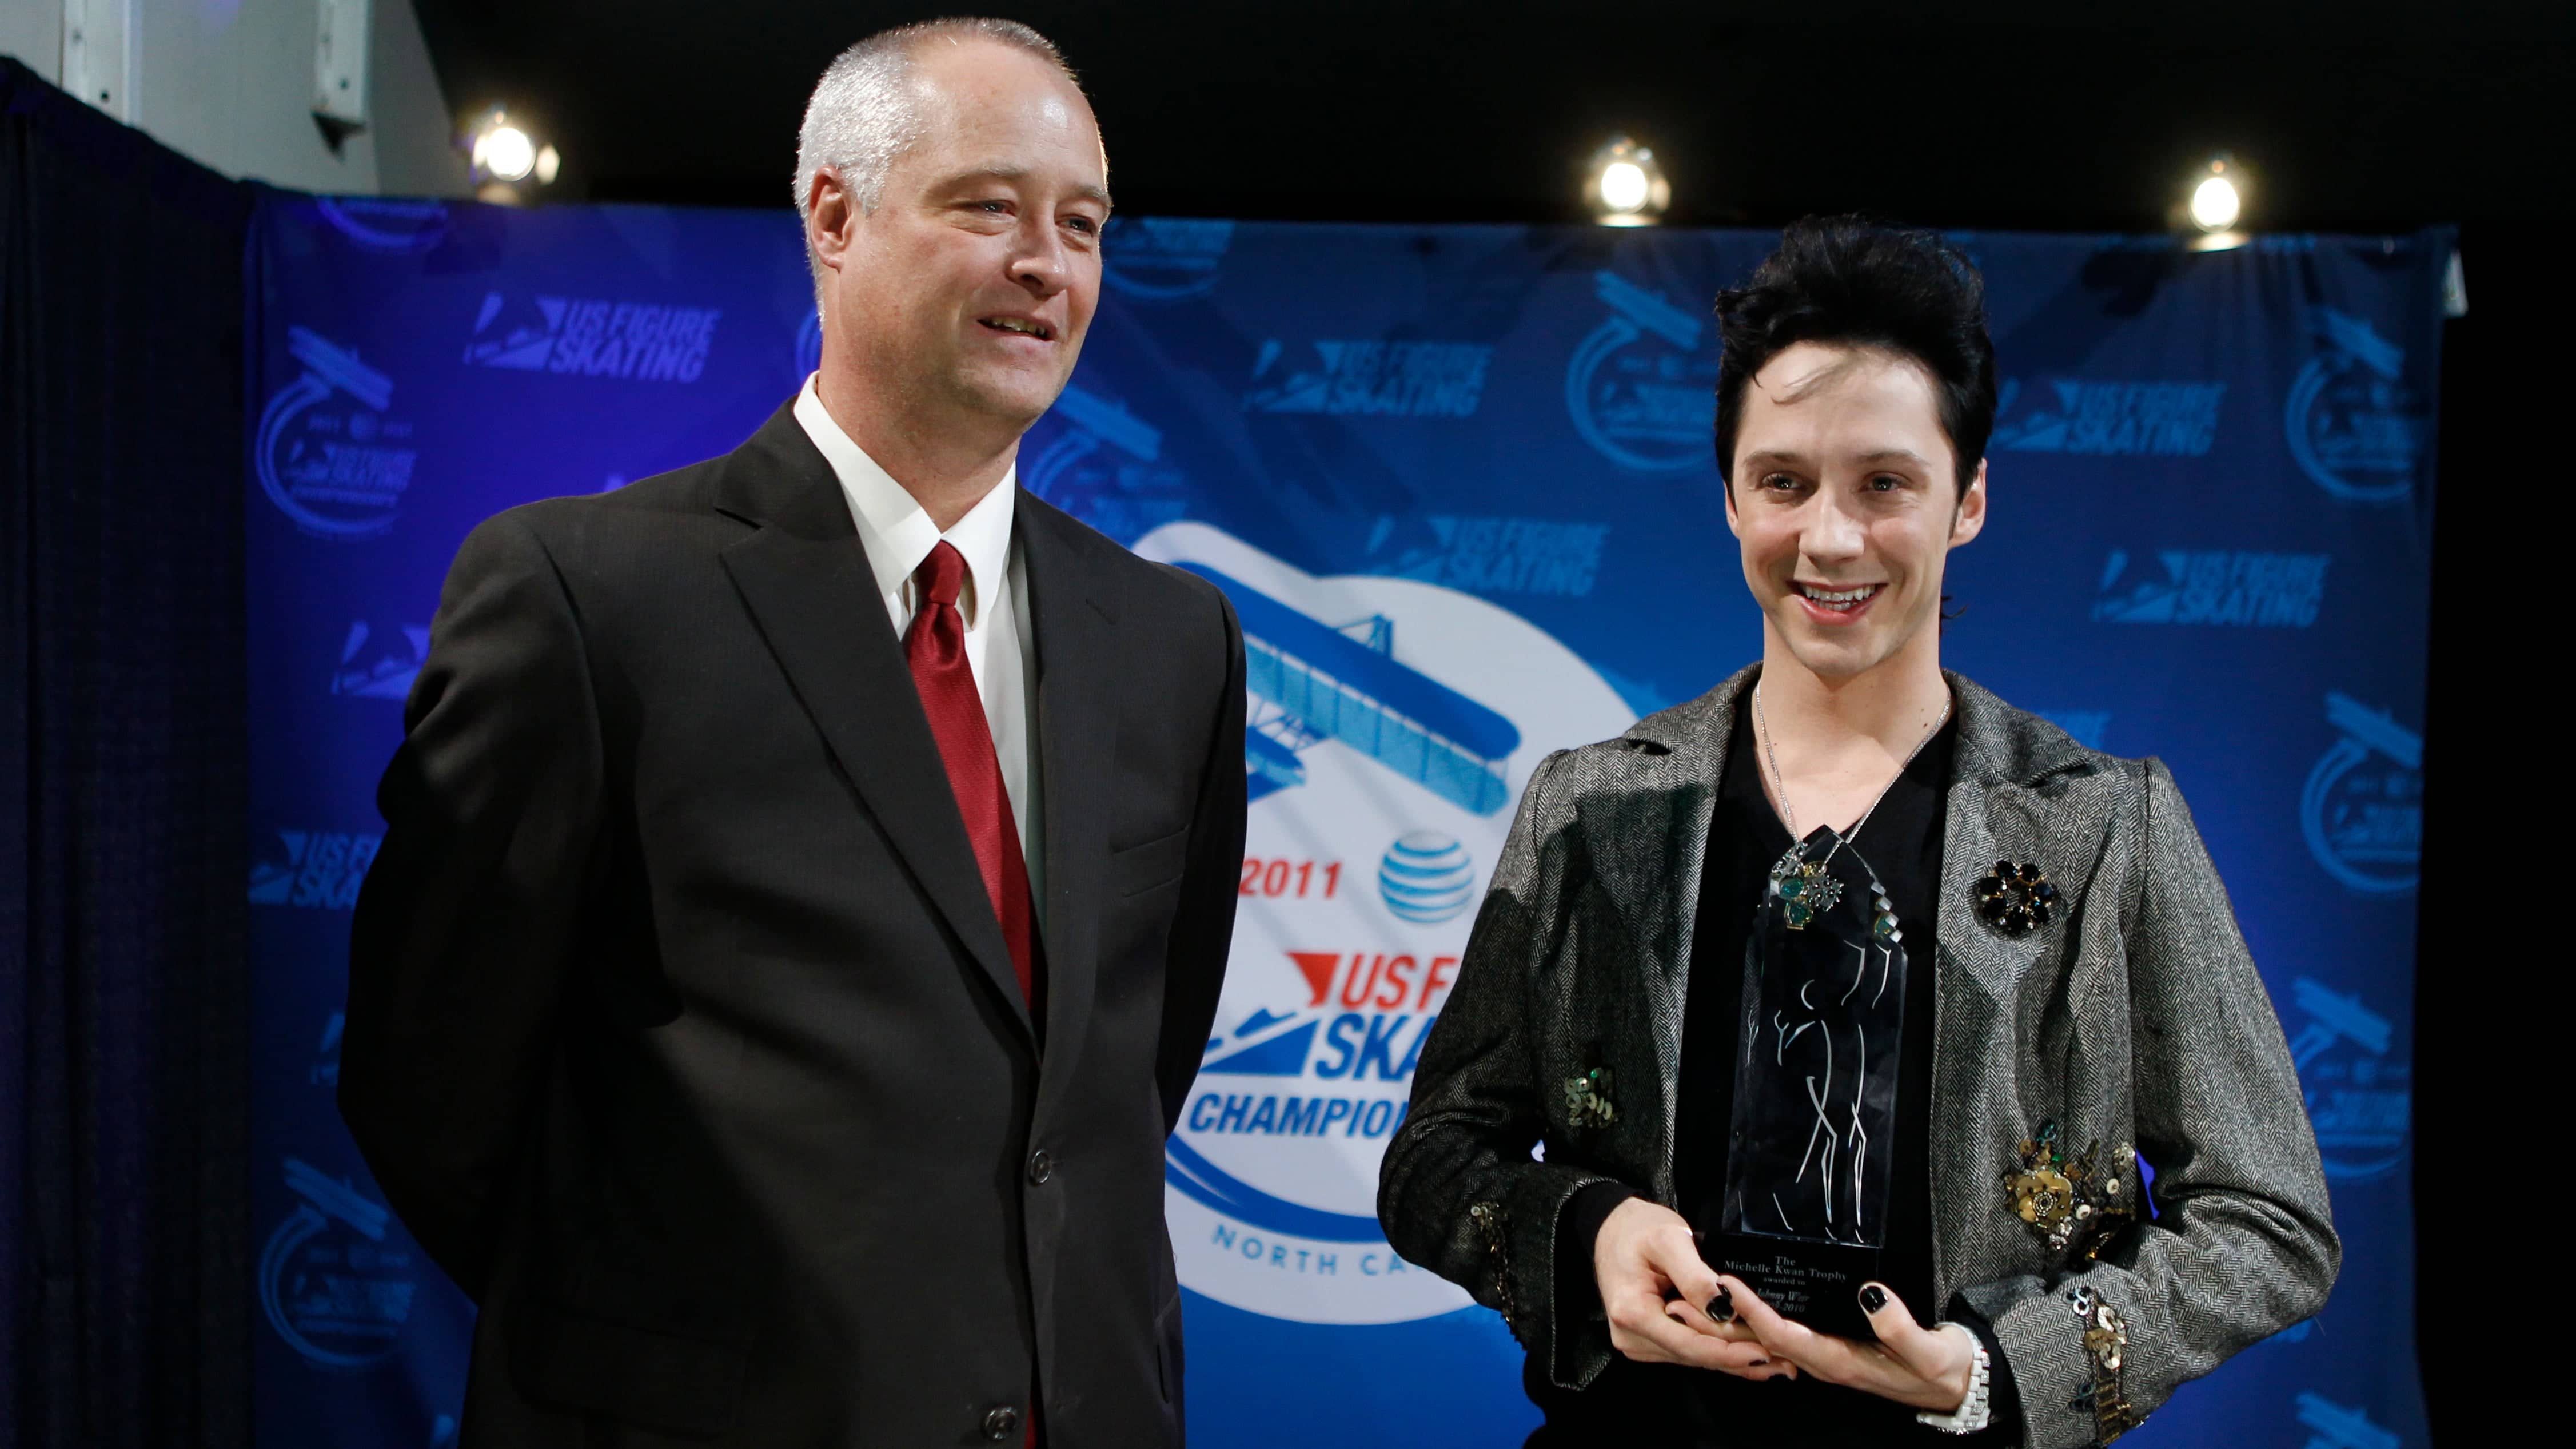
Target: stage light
(1624, 186)
(2214, 202)
(509, 163)
(506, 152)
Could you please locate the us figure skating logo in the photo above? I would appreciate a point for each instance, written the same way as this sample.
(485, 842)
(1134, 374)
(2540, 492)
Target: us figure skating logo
(313, 869)
(2359, 1091)
(2363, 807)
(386, 225)
(1638, 388)
(1393, 724)
(2110, 419)
(592, 337)
(329, 454)
(1103, 464)
(2340, 1426)
(2356, 424)
(332, 1284)
(380, 662)
(1162, 258)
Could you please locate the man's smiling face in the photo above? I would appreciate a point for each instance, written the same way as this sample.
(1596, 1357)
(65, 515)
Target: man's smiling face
(966, 292)
(1845, 497)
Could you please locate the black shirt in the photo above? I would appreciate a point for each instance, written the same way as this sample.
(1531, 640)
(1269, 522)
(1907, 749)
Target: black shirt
(1666, 1404)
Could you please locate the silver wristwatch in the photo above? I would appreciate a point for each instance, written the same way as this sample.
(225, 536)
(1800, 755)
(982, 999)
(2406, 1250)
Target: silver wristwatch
(1976, 1410)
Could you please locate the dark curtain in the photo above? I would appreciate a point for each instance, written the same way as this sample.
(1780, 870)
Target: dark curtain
(124, 1281)
(2480, 1047)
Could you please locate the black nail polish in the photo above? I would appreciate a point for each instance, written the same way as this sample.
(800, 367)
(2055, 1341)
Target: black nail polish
(1872, 1298)
(1721, 1309)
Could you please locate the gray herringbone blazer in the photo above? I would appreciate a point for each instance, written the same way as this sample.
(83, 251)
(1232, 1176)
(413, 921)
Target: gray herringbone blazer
(2134, 1017)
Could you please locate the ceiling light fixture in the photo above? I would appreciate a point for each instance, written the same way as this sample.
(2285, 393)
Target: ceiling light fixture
(1624, 187)
(2214, 202)
(509, 163)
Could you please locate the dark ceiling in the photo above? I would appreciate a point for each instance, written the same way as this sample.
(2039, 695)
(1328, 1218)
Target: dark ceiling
(2071, 115)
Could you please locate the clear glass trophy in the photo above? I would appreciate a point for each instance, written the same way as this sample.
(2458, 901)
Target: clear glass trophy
(1814, 1131)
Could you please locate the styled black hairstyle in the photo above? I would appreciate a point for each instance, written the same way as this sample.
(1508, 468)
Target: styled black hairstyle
(1848, 280)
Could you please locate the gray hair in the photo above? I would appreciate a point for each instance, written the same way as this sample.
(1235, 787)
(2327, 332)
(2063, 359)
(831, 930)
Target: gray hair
(865, 111)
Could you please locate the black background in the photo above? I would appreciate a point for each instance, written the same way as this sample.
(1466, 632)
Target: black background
(2365, 115)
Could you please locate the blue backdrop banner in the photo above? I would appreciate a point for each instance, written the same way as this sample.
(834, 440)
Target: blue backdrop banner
(1457, 481)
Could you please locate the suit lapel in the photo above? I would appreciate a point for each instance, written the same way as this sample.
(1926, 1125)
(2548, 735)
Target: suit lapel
(805, 578)
(1994, 813)
(1648, 846)
(1073, 608)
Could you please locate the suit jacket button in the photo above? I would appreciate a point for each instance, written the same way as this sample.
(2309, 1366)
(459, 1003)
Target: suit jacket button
(1041, 1167)
(999, 1423)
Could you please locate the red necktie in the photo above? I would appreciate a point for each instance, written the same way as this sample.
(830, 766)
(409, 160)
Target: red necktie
(935, 647)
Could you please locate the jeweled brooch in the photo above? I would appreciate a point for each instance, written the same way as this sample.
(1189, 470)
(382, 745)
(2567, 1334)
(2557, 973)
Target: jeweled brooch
(2071, 1203)
(2106, 1341)
(1805, 888)
(1587, 1100)
(2015, 898)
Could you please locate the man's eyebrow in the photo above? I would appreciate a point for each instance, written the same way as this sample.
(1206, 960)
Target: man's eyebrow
(1875, 455)
(1774, 455)
(1015, 174)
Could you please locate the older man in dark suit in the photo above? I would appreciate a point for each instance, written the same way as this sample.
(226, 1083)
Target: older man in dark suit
(808, 874)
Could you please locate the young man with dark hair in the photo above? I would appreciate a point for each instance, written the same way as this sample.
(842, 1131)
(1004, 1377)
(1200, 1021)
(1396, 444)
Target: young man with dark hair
(1849, 962)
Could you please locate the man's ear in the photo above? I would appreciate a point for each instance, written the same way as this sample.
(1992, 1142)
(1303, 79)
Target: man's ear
(1734, 525)
(830, 213)
(1969, 519)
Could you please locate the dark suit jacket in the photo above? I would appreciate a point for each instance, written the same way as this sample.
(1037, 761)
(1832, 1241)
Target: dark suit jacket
(681, 1031)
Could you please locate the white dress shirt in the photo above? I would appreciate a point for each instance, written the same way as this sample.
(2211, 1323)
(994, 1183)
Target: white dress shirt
(898, 535)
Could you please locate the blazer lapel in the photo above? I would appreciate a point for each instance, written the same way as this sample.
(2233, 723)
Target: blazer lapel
(1074, 608)
(1994, 814)
(805, 578)
(1648, 845)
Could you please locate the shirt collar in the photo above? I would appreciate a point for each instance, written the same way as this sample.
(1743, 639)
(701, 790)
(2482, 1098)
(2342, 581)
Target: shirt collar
(894, 529)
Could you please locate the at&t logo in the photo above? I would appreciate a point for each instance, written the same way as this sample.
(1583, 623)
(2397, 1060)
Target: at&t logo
(326, 453)
(2363, 808)
(1637, 388)
(1426, 878)
(2355, 424)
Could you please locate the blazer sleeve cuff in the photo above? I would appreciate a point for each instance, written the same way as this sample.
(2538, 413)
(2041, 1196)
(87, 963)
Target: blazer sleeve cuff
(1577, 1344)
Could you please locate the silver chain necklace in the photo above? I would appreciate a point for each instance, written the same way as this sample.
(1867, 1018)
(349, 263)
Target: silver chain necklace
(1780, 782)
